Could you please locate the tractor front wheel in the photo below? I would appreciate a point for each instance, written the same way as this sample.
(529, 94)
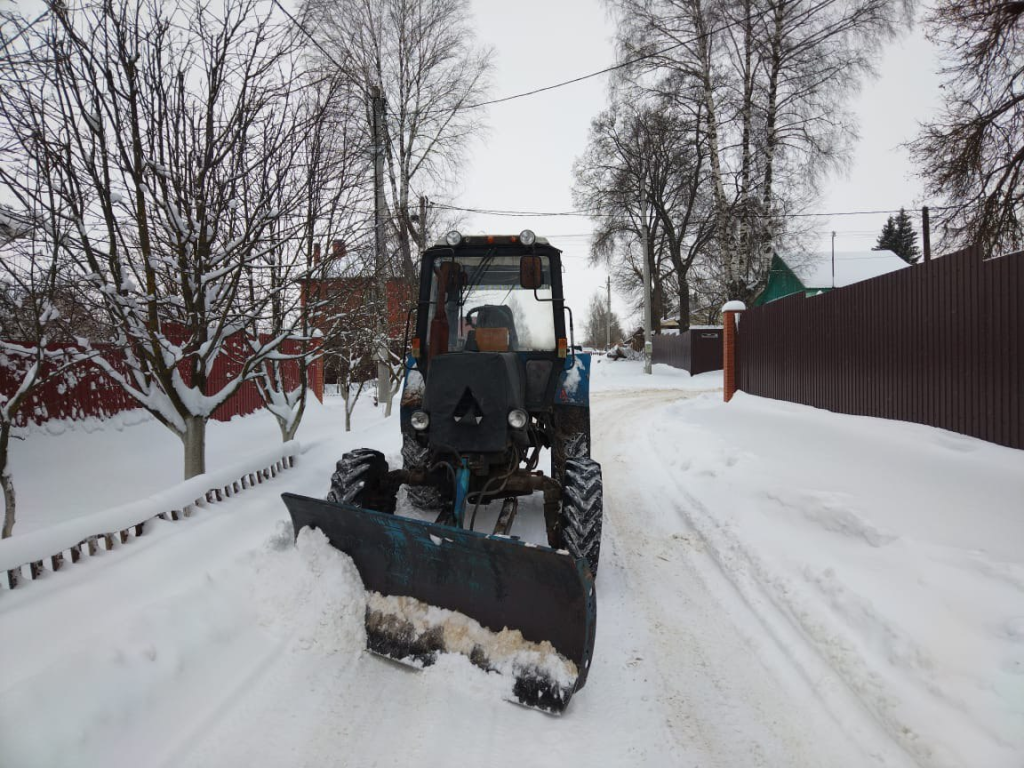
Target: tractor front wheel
(425, 498)
(360, 479)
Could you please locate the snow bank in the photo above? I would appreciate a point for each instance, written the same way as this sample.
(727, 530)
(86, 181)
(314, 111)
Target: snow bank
(38, 545)
(608, 375)
(888, 550)
(66, 469)
(310, 593)
(149, 668)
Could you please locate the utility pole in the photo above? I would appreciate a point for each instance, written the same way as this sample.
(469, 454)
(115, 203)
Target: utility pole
(648, 346)
(833, 259)
(926, 233)
(608, 318)
(380, 269)
(423, 223)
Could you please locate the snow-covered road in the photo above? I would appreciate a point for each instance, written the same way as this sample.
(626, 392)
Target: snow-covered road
(678, 677)
(215, 642)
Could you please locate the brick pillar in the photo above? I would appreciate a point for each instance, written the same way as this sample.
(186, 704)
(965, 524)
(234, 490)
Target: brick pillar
(316, 370)
(730, 322)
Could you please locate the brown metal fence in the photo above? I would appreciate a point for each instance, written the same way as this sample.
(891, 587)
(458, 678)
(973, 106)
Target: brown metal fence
(940, 343)
(697, 350)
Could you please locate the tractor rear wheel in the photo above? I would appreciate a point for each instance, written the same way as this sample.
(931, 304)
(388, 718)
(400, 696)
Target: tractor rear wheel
(360, 479)
(582, 509)
(425, 498)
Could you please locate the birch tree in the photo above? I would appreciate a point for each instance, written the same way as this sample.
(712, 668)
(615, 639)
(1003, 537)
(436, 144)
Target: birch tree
(639, 162)
(423, 56)
(149, 118)
(772, 78)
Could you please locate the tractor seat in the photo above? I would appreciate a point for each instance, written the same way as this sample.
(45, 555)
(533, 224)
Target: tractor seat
(487, 340)
(492, 317)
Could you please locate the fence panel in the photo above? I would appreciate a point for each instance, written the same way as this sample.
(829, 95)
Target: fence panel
(672, 350)
(698, 350)
(88, 392)
(938, 344)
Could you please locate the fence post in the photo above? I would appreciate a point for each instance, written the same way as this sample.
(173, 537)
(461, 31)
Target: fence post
(316, 370)
(730, 318)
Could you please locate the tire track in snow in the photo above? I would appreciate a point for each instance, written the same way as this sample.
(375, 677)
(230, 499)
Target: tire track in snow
(858, 698)
(730, 686)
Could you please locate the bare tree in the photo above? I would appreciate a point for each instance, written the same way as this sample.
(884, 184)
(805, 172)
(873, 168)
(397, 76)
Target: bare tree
(972, 154)
(422, 56)
(771, 79)
(648, 160)
(353, 343)
(327, 165)
(29, 323)
(600, 324)
(150, 120)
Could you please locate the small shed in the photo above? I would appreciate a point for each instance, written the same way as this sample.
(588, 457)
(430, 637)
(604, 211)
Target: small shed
(812, 273)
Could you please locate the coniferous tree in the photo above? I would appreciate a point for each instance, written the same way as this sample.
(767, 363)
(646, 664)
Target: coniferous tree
(898, 236)
(887, 239)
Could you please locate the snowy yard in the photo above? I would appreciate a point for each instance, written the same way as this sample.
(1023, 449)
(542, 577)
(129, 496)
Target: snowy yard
(780, 586)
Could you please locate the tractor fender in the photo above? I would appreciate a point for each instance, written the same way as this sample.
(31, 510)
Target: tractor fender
(574, 381)
(413, 387)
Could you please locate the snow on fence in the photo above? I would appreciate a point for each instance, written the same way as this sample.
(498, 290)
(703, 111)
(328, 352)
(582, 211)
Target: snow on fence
(82, 536)
(87, 392)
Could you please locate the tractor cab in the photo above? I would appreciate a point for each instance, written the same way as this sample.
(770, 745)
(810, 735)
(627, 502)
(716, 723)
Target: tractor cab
(490, 293)
(490, 347)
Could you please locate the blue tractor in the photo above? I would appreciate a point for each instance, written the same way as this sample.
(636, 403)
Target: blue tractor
(492, 383)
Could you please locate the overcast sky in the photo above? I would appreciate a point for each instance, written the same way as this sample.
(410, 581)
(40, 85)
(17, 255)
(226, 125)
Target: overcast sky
(525, 161)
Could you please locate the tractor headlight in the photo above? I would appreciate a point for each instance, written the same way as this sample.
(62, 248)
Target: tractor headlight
(527, 237)
(420, 420)
(453, 238)
(518, 419)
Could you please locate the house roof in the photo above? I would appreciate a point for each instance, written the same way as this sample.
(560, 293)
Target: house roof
(814, 269)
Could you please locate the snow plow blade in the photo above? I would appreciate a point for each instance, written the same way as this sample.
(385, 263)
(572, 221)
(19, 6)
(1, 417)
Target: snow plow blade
(506, 586)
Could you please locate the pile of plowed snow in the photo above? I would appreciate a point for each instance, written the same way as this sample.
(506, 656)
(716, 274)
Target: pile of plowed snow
(313, 596)
(507, 651)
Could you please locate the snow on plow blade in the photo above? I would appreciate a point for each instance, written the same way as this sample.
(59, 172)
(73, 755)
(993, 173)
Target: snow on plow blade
(535, 606)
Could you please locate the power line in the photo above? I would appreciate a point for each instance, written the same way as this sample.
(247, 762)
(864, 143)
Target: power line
(598, 73)
(499, 212)
(535, 91)
(308, 34)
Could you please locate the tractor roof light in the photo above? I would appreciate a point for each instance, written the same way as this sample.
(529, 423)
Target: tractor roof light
(453, 238)
(527, 237)
(420, 420)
